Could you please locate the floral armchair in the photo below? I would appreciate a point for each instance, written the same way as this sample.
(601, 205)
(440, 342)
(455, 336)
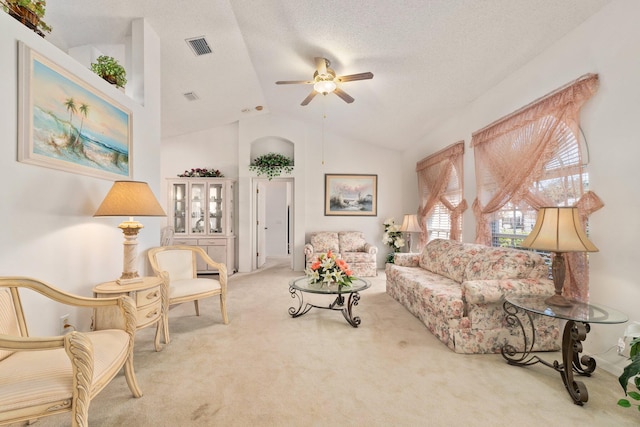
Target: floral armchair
(351, 246)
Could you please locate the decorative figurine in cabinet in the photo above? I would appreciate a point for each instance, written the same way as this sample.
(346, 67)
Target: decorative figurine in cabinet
(201, 214)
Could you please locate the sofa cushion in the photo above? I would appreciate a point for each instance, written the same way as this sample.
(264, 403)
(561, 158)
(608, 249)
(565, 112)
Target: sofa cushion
(325, 241)
(502, 263)
(358, 257)
(449, 258)
(352, 241)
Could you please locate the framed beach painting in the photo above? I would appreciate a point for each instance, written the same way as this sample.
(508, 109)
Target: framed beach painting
(350, 194)
(66, 124)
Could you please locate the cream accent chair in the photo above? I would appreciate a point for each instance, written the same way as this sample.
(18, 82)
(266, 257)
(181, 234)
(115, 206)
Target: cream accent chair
(176, 265)
(41, 376)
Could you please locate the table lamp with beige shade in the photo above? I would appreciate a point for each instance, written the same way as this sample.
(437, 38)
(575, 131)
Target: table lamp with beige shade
(410, 225)
(558, 230)
(130, 198)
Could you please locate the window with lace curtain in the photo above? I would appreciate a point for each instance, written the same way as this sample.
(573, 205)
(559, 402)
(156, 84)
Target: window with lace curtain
(563, 181)
(440, 189)
(533, 158)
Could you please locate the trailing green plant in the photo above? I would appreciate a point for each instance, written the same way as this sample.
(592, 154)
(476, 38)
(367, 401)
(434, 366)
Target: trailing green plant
(16, 8)
(109, 69)
(271, 165)
(631, 371)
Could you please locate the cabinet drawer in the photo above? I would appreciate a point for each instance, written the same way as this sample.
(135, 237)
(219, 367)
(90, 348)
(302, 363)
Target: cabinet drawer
(211, 242)
(149, 314)
(188, 242)
(147, 296)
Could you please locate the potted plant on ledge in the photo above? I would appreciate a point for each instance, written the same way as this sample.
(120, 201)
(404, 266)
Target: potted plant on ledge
(29, 12)
(109, 69)
(272, 165)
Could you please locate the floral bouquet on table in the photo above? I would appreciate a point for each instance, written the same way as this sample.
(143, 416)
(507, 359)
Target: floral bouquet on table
(392, 237)
(328, 269)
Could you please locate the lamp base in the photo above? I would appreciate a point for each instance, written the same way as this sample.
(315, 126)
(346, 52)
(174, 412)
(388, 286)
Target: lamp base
(128, 281)
(558, 301)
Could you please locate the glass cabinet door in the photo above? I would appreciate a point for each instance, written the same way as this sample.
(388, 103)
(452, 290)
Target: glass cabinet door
(197, 208)
(215, 209)
(178, 201)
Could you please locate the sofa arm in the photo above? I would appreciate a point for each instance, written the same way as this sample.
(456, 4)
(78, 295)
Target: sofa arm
(492, 291)
(406, 259)
(370, 249)
(308, 250)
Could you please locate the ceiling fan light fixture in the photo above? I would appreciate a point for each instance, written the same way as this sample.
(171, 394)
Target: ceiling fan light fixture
(324, 86)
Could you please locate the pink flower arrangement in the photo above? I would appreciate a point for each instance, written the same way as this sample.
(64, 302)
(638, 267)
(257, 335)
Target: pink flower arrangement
(328, 268)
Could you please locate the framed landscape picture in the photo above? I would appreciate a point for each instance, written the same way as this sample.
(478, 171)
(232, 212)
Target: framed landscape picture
(64, 123)
(350, 194)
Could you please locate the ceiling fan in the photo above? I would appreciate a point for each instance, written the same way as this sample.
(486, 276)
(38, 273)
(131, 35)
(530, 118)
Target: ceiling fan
(325, 81)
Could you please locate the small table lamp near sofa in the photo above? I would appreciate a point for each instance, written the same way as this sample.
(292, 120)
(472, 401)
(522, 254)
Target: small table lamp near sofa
(410, 225)
(558, 230)
(130, 198)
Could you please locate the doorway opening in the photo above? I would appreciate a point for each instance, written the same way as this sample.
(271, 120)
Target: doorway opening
(273, 221)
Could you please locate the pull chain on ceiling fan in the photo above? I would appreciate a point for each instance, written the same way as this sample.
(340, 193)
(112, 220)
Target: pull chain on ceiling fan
(325, 81)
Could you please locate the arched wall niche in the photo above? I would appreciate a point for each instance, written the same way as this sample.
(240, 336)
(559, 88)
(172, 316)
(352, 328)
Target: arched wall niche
(271, 144)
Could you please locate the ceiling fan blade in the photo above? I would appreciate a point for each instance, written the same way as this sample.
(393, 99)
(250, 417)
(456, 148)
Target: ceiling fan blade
(294, 82)
(345, 96)
(353, 77)
(309, 98)
(321, 65)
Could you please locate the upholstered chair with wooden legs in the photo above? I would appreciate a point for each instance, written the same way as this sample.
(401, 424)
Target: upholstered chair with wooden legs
(41, 376)
(177, 266)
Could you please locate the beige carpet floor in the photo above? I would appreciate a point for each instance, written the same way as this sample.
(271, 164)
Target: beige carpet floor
(268, 369)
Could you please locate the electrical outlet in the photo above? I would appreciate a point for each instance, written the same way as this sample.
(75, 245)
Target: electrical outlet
(64, 324)
(621, 346)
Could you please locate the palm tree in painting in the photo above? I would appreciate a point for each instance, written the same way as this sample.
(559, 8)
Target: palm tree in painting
(84, 111)
(72, 109)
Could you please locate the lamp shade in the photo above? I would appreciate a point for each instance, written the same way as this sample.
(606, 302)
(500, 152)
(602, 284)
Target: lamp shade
(410, 224)
(130, 198)
(558, 229)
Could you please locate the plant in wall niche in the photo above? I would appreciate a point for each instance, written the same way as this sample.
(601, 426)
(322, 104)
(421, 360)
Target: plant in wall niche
(109, 69)
(392, 237)
(632, 370)
(272, 165)
(29, 12)
(202, 172)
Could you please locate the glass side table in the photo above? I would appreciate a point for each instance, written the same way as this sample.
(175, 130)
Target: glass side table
(578, 318)
(301, 285)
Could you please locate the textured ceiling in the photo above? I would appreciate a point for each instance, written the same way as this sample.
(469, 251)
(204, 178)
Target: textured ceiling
(428, 57)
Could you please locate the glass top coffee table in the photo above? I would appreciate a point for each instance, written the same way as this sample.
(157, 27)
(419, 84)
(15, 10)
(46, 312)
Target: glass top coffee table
(578, 317)
(301, 285)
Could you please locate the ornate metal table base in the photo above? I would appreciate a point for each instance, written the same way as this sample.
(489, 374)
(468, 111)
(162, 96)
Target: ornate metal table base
(337, 304)
(574, 333)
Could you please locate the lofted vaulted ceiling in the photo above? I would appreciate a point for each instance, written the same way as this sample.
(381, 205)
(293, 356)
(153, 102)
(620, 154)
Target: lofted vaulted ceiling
(428, 57)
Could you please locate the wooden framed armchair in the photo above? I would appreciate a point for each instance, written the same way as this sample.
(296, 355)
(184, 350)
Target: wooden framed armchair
(177, 266)
(41, 376)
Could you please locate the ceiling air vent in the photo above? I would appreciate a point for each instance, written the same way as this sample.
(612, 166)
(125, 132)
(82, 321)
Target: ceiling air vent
(191, 96)
(199, 45)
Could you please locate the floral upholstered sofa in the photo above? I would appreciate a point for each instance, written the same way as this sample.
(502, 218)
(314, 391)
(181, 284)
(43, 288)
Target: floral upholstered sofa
(351, 246)
(457, 290)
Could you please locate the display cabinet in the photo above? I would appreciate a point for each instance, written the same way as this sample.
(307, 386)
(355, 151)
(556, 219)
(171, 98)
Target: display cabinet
(201, 214)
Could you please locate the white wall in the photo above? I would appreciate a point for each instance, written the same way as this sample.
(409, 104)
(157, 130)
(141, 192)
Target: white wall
(607, 44)
(49, 230)
(342, 155)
